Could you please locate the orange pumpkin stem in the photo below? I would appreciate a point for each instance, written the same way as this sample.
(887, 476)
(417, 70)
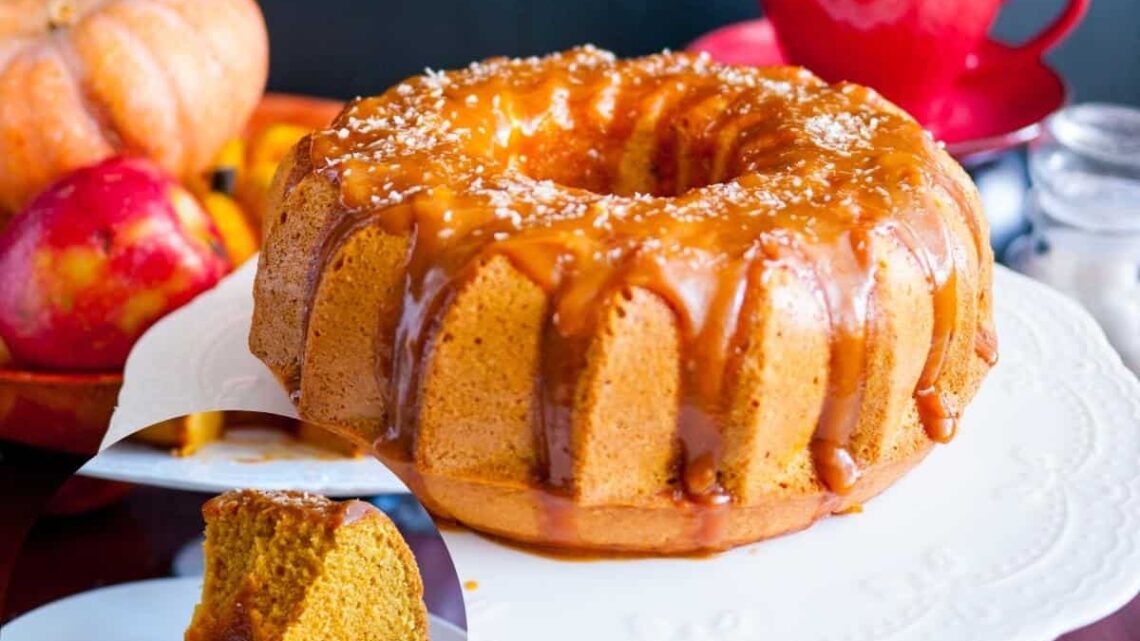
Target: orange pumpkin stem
(61, 14)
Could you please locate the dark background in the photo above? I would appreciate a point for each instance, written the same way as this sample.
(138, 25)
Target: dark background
(343, 48)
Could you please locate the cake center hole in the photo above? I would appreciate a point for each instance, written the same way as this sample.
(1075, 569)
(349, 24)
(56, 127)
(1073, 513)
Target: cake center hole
(623, 160)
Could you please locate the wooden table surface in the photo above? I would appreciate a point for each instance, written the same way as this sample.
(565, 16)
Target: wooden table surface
(138, 537)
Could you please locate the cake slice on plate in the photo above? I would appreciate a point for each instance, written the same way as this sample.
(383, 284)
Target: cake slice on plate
(293, 566)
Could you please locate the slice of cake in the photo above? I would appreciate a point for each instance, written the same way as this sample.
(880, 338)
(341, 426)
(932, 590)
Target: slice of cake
(184, 436)
(292, 566)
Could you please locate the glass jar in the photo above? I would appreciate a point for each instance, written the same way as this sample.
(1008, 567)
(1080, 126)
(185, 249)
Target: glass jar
(1084, 212)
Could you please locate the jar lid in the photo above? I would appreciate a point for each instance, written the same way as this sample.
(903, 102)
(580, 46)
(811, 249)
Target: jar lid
(1086, 168)
(1108, 133)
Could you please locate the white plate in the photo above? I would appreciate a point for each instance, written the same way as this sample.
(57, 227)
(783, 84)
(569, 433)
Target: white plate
(263, 459)
(1026, 527)
(156, 610)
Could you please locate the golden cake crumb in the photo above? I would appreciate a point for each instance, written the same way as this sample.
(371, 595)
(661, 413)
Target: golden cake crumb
(294, 566)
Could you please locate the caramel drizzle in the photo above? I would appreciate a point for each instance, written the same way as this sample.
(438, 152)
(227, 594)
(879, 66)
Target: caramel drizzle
(710, 300)
(706, 347)
(564, 358)
(846, 282)
(939, 419)
(935, 257)
(986, 345)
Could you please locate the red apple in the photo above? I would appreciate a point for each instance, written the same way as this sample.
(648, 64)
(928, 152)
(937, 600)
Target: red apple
(96, 259)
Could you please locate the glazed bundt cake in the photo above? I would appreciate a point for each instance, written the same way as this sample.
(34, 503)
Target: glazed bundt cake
(657, 305)
(290, 566)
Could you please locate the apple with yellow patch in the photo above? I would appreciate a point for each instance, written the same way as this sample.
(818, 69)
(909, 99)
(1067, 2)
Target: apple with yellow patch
(96, 259)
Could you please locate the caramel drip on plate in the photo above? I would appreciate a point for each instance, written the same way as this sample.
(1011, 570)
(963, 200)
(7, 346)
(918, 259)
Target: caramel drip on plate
(668, 174)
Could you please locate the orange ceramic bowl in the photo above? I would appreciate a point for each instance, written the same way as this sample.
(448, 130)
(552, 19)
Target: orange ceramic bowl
(304, 111)
(61, 411)
(66, 413)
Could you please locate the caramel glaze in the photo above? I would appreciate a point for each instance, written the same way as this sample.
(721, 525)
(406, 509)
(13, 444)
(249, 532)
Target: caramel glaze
(670, 173)
(311, 507)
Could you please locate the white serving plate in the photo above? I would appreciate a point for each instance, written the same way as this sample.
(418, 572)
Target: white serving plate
(155, 610)
(1025, 527)
(246, 458)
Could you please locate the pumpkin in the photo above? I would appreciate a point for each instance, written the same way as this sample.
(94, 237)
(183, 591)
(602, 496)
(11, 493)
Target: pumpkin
(82, 80)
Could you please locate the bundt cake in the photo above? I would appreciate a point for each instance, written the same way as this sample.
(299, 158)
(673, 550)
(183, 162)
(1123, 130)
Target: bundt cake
(290, 566)
(657, 305)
